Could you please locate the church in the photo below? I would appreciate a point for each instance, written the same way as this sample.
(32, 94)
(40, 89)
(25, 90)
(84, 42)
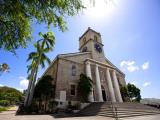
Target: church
(65, 70)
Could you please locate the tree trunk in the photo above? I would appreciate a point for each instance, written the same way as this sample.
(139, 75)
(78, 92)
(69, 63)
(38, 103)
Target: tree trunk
(34, 78)
(32, 88)
(39, 104)
(45, 103)
(28, 90)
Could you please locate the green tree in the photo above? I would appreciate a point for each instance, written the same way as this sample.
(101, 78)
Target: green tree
(38, 58)
(16, 18)
(11, 95)
(84, 87)
(4, 68)
(44, 91)
(124, 93)
(133, 92)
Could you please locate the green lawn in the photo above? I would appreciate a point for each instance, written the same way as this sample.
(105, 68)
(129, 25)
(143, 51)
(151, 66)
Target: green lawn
(4, 108)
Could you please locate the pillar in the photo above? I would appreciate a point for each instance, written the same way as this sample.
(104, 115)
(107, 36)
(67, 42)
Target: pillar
(88, 73)
(110, 86)
(98, 85)
(117, 90)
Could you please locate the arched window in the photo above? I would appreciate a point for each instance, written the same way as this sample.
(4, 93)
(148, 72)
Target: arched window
(95, 38)
(73, 70)
(84, 49)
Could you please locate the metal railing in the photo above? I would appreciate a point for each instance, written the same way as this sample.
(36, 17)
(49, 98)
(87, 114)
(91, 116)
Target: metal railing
(114, 110)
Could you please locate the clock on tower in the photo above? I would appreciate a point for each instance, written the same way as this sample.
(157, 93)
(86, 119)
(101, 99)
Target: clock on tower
(91, 41)
(97, 47)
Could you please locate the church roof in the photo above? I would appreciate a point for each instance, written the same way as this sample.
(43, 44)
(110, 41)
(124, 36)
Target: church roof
(114, 66)
(81, 53)
(64, 55)
(73, 54)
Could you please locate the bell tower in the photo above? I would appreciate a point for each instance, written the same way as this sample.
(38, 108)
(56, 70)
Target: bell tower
(91, 41)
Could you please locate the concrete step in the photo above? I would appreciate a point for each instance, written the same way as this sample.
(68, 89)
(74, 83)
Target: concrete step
(120, 112)
(119, 115)
(123, 109)
(126, 115)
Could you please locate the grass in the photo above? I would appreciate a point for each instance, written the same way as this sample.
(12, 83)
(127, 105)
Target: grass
(4, 108)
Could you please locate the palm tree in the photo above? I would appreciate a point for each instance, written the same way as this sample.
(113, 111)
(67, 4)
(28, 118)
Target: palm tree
(4, 68)
(38, 58)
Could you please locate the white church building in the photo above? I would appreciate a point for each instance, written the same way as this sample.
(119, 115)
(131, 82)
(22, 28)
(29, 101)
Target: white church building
(65, 70)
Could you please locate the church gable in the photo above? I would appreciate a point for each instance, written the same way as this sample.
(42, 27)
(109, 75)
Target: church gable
(112, 65)
(107, 62)
(76, 57)
(52, 70)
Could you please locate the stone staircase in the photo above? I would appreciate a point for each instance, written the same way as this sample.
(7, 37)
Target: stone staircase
(118, 110)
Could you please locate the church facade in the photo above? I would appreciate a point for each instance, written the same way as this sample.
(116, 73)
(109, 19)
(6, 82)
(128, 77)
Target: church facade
(65, 70)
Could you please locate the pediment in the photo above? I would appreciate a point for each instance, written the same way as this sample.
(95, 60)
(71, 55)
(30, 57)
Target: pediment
(112, 65)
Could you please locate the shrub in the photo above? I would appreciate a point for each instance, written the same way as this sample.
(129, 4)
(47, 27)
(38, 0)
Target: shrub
(10, 94)
(4, 102)
(52, 104)
(3, 109)
(84, 87)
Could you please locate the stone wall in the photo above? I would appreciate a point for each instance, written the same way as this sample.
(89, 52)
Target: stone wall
(52, 71)
(65, 78)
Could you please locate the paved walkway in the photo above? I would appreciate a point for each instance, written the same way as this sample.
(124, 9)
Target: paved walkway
(10, 115)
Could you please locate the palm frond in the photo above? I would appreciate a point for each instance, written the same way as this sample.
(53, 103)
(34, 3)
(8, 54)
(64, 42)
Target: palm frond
(46, 50)
(47, 45)
(31, 56)
(45, 58)
(41, 34)
(29, 68)
(38, 47)
(39, 58)
(42, 64)
(48, 60)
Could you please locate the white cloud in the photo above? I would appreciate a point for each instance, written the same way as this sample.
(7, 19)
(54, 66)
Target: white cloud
(145, 66)
(132, 68)
(23, 83)
(20, 89)
(133, 82)
(146, 84)
(1, 85)
(129, 65)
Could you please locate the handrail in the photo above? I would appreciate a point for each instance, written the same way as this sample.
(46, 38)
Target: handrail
(114, 110)
(116, 115)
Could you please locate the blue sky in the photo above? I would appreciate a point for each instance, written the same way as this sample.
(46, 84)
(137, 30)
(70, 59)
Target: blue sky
(130, 31)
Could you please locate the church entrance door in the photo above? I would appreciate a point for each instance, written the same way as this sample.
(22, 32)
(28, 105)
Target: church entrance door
(104, 95)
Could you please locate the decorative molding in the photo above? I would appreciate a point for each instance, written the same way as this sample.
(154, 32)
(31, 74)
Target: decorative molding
(73, 54)
(99, 63)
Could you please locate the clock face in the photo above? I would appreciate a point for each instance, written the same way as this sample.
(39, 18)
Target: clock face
(84, 49)
(98, 47)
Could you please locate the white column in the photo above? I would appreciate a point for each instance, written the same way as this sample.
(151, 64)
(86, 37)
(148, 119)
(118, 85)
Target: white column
(110, 86)
(117, 90)
(98, 85)
(88, 73)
